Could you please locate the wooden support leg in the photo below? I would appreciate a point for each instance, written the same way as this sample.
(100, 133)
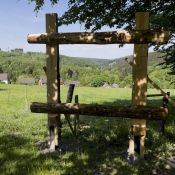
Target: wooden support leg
(139, 91)
(54, 131)
(69, 100)
(165, 102)
(53, 82)
(52, 137)
(76, 117)
(142, 146)
(138, 134)
(136, 142)
(131, 149)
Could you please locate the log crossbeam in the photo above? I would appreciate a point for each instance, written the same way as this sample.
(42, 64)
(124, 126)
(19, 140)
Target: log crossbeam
(140, 112)
(114, 37)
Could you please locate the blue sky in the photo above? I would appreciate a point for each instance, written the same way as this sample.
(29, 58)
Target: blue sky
(18, 20)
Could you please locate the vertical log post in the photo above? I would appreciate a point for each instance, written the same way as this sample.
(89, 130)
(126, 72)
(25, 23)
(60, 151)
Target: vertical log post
(69, 100)
(70, 93)
(27, 102)
(53, 83)
(76, 118)
(165, 102)
(139, 90)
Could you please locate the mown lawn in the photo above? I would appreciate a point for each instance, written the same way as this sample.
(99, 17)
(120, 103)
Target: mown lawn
(101, 144)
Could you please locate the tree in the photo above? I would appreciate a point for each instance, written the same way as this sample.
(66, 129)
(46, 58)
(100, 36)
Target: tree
(1, 69)
(121, 14)
(97, 81)
(69, 73)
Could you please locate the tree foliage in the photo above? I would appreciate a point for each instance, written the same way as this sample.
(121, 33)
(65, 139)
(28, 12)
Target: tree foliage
(89, 72)
(121, 14)
(40, 3)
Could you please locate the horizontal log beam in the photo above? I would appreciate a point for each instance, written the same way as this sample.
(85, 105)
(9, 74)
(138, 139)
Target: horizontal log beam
(115, 37)
(141, 112)
(154, 95)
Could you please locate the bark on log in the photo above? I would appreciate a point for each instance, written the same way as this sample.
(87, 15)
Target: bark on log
(142, 112)
(115, 37)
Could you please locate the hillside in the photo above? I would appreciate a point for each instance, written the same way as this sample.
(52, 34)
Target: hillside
(90, 72)
(83, 62)
(154, 58)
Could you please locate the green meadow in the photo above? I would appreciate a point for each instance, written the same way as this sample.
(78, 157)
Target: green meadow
(99, 149)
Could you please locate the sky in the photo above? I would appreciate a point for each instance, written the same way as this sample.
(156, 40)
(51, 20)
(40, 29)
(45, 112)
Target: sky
(18, 19)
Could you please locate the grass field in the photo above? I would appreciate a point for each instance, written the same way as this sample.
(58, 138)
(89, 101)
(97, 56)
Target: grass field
(101, 144)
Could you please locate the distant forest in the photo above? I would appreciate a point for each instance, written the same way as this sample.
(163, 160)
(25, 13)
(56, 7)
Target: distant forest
(90, 72)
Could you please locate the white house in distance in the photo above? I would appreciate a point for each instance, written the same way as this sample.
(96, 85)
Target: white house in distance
(4, 78)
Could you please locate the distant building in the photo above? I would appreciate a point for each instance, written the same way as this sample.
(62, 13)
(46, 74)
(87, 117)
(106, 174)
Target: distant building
(115, 86)
(68, 82)
(17, 50)
(26, 81)
(42, 81)
(70, 73)
(106, 85)
(4, 78)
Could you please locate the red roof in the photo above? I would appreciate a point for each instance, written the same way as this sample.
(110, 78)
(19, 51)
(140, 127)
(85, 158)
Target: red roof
(3, 76)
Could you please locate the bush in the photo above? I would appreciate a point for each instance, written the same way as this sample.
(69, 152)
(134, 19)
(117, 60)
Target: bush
(97, 82)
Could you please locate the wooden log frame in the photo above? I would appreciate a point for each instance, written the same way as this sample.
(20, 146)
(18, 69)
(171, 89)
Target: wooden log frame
(141, 112)
(138, 37)
(114, 37)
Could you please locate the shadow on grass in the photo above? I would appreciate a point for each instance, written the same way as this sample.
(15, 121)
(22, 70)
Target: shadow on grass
(13, 161)
(105, 143)
(3, 89)
(99, 149)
